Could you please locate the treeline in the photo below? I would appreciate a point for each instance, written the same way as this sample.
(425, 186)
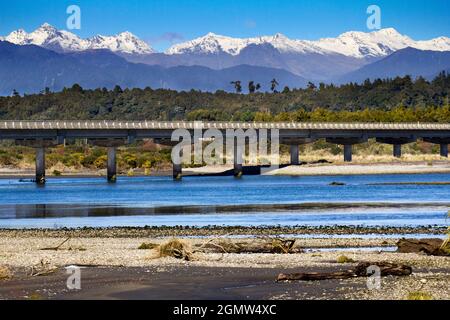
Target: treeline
(401, 99)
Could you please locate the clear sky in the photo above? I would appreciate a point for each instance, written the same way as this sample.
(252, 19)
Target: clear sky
(163, 22)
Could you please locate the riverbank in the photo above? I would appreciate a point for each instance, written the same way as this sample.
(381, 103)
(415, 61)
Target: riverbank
(364, 169)
(114, 264)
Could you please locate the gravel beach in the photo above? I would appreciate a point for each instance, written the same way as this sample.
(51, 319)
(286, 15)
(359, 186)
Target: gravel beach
(111, 259)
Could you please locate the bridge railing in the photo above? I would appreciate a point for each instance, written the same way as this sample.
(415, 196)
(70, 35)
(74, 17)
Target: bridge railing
(170, 125)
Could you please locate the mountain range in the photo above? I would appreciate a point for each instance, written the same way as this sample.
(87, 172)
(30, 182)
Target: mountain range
(212, 61)
(30, 69)
(49, 37)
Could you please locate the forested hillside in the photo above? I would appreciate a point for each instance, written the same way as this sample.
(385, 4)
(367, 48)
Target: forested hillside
(399, 99)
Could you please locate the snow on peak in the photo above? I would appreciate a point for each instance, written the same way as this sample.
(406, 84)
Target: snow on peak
(18, 36)
(354, 44)
(48, 36)
(360, 44)
(125, 42)
(213, 43)
(437, 44)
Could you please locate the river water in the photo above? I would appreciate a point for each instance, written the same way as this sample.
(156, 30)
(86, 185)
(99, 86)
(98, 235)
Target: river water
(372, 200)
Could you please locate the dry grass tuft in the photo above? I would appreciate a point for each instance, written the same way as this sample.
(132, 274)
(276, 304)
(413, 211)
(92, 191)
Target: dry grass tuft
(5, 273)
(177, 249)
(148, 246)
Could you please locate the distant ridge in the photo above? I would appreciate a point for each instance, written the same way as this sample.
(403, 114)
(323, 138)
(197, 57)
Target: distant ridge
(409, 61)
(30, 69)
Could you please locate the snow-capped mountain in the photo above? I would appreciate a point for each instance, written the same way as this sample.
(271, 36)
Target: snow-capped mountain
(213, 44)
(125, 42)
(321, 60)
(49, 37)
(351, 44)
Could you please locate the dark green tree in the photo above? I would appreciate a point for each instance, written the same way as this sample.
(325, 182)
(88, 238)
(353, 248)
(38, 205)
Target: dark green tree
(251, 87)
(311, 86)
(117, 89)
(273, 85)
(237, 86)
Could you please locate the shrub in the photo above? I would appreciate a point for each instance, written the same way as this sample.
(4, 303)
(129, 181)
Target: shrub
(344, 259)
(419, 295)
(100, 162)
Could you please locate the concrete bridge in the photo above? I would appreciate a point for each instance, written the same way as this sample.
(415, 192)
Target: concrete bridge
(112, 134)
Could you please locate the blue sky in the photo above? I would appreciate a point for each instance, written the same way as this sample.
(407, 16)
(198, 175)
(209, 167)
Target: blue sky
(162, 22)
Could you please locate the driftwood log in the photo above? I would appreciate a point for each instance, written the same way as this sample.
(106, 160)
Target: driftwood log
(361, 270)
(432, 247)
(255, 246)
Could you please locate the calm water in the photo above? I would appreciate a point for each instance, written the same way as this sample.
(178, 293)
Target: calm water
(136, 201)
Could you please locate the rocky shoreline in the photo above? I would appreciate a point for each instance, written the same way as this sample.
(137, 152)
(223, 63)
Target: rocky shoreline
(212, 231)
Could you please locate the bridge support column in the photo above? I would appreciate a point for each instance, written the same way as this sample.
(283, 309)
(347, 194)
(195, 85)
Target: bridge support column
(348, 145)
(348, 153)
(294, 149)
(177, 168)
(40, 165)
(238, 160)
(111, 170)
(40, 145)
(397, 152)
(111, 163)
(397, 144)
(444, 150)
(443, 144)
(177, 171)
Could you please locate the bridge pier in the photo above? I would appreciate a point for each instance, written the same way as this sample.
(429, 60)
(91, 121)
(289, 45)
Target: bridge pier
(238, 160)
(40, 165)
(111, 163)
(177, 168)
(397, 144)
(294, 150)
(444, 150)
(177, 171)
(348, 145)
(443, 145)
(111, 169)
(397, 152)
(348, 153)
(40, 145)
